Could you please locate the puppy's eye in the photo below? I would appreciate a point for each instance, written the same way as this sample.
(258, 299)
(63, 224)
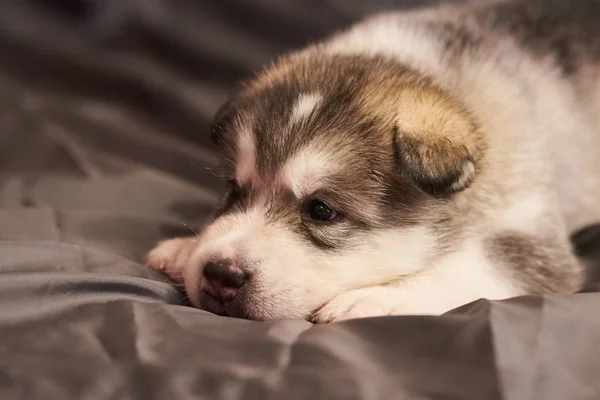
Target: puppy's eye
(319, 211)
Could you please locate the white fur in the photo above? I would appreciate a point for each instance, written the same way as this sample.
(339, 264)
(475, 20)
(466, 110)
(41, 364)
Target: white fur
(304, 172)
(224, 237)
(246, 155)
(460, 278)
(391, 34)
(390, 254)
(305, 106)
(524, 214)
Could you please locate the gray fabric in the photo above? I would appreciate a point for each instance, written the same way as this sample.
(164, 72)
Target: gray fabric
(104, 116)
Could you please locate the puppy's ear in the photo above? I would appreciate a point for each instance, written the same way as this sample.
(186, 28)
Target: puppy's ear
(436, 141)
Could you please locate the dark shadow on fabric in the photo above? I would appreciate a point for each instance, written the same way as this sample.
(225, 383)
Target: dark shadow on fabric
(586, 243)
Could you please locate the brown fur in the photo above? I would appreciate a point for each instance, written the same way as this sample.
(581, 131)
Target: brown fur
(536, 262)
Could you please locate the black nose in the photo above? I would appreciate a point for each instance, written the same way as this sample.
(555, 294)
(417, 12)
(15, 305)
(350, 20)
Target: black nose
(224, 279)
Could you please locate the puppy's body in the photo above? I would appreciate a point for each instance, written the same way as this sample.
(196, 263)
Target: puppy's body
(457, 148)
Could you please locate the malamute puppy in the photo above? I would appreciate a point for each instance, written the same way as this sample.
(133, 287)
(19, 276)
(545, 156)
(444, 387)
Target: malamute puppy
(414, 163)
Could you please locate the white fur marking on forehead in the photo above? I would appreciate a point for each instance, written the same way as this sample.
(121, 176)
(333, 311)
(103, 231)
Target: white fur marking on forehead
(304, 172)
(305, 105)
(246, 155)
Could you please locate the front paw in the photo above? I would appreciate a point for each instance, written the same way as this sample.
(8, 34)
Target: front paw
(368, 302)
(170, 257)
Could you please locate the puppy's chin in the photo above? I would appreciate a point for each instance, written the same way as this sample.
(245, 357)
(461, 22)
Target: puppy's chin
(248, 304)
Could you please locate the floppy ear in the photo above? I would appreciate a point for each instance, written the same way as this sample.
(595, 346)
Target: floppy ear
(437, 142)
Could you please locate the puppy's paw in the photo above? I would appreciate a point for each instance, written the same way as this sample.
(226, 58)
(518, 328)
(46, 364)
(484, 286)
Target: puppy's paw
(368, 302)
(170, 257)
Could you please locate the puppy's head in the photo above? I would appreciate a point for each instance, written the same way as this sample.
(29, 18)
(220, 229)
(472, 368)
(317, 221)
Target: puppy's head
(338, 171)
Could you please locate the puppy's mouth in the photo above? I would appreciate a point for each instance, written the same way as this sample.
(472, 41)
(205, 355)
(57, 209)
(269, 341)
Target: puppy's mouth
(231, 308)
(240, 308)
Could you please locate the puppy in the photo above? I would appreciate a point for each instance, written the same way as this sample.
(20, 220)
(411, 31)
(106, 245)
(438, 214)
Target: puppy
(414, 163)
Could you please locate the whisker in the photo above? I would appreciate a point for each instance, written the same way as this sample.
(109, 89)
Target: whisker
(217, 173)
(191, 229)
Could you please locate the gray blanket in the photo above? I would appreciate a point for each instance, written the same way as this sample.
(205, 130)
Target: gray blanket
(105, 108)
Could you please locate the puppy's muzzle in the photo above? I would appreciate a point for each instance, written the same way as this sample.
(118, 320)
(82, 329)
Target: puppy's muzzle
(223, 279)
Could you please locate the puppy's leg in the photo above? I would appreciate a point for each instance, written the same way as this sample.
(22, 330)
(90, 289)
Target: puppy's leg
(377, 301)
(433, 294)
(498, 268)
(170, 257)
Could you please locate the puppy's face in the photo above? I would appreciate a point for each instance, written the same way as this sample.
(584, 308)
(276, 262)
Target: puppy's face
(337, 176)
